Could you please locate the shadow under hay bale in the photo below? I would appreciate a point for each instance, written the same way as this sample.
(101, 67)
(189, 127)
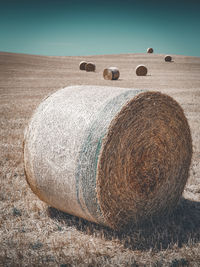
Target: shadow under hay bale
(141, 70)
(113, 156)
(181, 227)
(112, 73)
(150, 50)
(90, 66)
(168, 58)
(82, 65)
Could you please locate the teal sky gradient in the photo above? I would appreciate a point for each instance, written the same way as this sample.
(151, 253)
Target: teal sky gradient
(69, 28)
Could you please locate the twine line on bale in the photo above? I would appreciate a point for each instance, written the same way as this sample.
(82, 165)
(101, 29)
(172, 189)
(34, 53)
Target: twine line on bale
(168, 58)
(90, 66)
(150, 50)
(109, 155)
(141, 70)
(111, 73)
(82, 65)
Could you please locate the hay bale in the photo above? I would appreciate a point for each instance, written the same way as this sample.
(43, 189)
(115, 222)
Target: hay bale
(150, 50)
(112, 73)
(141, 70)
(82, 65)
(168, 58)
(90, 66)
(109, 155)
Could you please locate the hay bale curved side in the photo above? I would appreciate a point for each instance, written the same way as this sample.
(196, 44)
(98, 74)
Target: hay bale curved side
(141, 70)
(82, 65)
(109, 155)
(111, 73)
(90, 66)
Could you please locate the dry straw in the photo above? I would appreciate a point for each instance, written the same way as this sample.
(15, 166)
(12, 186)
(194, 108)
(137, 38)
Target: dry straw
(168, 58)
(90, 66)
(150, 50)
(112, 73)
(141, 70)
(82, 65)
(109, 155)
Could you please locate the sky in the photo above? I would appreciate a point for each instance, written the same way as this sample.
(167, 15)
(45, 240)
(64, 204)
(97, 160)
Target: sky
(75, 27)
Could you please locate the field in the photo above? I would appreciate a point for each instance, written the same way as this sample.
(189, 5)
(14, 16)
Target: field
(33, 234)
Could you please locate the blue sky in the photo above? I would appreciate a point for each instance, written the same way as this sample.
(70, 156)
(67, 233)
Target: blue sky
(74, 27)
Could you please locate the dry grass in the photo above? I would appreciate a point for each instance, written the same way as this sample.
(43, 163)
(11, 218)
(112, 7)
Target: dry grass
(32, 234)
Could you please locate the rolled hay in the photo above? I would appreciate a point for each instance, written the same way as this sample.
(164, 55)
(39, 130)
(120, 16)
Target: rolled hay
(82, 65)
(150, 50)
(90, 66)
(109, 155)
(168, 58)
(141, 70)
(111, 73)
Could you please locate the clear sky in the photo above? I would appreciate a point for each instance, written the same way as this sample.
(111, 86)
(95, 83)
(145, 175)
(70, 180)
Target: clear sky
(75, 27)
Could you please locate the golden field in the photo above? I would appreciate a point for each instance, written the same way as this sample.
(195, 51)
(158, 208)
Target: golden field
(33, 234)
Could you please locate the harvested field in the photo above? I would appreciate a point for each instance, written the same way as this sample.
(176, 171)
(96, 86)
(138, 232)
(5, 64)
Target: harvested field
(33, 234)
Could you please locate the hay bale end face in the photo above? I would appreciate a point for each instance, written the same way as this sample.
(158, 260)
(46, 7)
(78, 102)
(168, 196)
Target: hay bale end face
(168, 58)
(112, 73)
(141, 70)
(90, 66)
(111, 155)
(82, 65)
(150, 50)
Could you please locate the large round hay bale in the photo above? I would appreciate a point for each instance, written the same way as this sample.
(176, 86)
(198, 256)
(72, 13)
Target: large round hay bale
(150, 50)
(111, 73)
(141, 70)
(109, 155)
(90, 66)
(168, 58)
(82, 65)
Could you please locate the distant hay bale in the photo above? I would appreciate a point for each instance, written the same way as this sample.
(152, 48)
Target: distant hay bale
(168, 58)
(141, 70)
(82, 65)
(111, 73)
(110, 155)
(150, 50)
(90, 66)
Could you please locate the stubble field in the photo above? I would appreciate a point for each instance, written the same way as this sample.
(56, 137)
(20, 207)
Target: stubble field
(33, 234)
